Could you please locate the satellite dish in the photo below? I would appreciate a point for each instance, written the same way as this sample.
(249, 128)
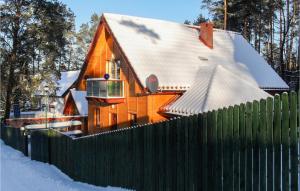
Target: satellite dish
(152, 83)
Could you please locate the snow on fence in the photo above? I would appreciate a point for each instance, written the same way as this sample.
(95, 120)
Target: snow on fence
(253, 146)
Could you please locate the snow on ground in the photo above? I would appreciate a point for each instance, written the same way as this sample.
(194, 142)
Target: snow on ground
(19, 173)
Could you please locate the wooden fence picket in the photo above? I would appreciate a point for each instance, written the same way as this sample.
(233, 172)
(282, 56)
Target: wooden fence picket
(204, 152)
(277, 143)
(219, 154)
(248, 140)
(269, 142)
(242, 147)
(285, 141)
(294, 141)
(255, 129)
(262, 143)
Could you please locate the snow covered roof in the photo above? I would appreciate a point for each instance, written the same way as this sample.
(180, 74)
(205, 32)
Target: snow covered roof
(80, 101)
(66, 81)
(174, 53)
(215, 87)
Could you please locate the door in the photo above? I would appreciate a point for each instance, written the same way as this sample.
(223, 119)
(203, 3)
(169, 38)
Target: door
(113, 121)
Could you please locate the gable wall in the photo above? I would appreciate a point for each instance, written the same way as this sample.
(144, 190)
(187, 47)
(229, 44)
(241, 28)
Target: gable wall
(70, 106)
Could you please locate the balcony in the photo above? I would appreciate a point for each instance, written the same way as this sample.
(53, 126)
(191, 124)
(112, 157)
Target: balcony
(102, 90)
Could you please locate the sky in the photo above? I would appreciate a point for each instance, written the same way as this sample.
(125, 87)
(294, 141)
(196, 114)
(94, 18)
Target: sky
(172, 10)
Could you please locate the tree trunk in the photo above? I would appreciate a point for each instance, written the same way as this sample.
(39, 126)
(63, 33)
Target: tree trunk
(271, 33)
(225, 14)
(296, 13)
(287, 38)
(281, 41)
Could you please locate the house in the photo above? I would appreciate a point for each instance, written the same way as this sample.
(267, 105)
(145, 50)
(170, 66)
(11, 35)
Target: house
(141, 70)
(55, 96)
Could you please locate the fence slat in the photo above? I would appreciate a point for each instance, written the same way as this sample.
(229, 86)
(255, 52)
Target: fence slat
(236, 153)
(226, 151)
(219, 151)
(277, 142)
(285, 141)
(248, 146)
(262, 142)
(242, 148)
(294, 141)
(204, 152)
(255, 128)
(269, 140)
(211, 145)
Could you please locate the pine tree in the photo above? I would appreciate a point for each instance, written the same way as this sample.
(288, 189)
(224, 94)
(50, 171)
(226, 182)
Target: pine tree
(32, 40)
(271, 26)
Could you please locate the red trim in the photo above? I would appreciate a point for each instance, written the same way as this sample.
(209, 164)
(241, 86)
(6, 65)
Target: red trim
(106, 100)
(162, 93)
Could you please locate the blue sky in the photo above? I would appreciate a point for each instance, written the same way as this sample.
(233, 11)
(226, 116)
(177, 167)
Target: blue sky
(173, 10)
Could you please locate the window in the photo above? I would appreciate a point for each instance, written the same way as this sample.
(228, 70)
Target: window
(113, 68)
(132, 119)
(97, 115)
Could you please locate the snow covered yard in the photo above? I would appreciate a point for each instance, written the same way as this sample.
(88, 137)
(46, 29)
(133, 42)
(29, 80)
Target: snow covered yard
(19, 173)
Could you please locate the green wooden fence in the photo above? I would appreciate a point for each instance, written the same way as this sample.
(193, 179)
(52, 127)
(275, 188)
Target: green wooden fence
(15, 138)
(253, 146)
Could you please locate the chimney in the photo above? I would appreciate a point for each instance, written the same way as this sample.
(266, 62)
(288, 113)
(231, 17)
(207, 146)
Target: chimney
(206, 34)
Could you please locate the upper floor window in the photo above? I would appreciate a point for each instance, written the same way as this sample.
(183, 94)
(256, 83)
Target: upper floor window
(113, 68)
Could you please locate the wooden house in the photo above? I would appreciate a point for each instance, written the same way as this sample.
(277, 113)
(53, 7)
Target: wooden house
(141, 70)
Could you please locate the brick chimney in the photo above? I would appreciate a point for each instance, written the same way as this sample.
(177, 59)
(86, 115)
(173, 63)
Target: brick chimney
(206, 34)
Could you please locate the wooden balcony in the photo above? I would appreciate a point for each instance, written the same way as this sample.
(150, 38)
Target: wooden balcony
(108, 91)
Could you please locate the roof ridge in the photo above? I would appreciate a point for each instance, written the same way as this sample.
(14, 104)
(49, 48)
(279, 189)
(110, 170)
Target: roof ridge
(142, 17)
(169, 21)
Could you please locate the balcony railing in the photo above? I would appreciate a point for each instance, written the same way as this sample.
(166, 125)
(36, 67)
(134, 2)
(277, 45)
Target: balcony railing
(102, 88)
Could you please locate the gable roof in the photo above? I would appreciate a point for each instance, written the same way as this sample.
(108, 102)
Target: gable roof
(80, 101)
(174, 53)
(66, 81)
(215, 87)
